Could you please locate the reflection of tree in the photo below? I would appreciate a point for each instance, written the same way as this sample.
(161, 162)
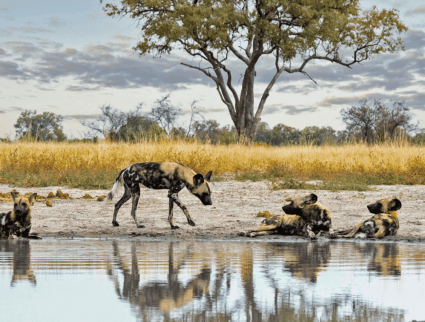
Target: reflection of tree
(205, 296)
(335, 310)
(21, 261)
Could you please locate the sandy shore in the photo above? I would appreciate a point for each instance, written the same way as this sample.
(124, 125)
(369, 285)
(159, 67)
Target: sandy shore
(234, 209)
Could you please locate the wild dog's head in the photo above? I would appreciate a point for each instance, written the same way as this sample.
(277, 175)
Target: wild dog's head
(201, 188)
(22, 206)
(384, 206)
(296, 206)
(309, 209)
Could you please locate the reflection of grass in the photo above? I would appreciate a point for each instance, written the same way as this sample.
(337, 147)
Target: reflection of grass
(91, 165)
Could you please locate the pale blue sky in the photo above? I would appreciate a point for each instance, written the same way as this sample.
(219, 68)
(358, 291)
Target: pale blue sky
(70, 58)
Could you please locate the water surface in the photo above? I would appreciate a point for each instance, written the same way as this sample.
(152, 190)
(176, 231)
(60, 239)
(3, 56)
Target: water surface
(122, 280)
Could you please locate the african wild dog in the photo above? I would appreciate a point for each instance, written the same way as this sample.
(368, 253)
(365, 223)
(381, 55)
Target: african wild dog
(304, 217)
(316, 216)
(161, 175)
(384, 223)
(18, 221)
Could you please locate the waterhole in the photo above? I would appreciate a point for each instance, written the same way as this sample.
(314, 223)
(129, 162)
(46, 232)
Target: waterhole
(122, 280)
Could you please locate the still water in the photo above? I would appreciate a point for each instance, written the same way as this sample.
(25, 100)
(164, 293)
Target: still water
(122, 280)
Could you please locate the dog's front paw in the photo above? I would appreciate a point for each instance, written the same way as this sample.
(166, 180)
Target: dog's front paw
(333, 235)
(191, 222)
(241, 233)
(140, 226)
(174, 227)
(115, 223)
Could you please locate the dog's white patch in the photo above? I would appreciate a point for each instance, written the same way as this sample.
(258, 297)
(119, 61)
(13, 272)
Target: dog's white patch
(166, 182)
(360, 235)
(369, 223)
(3, 220)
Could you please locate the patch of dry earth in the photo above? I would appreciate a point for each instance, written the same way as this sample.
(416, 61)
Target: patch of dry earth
(234, 209)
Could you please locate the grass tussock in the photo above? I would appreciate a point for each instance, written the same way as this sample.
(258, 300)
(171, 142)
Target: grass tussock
(95, 166)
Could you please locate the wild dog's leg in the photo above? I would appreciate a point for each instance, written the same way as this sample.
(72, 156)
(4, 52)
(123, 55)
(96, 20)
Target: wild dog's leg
(175, 197)
(353, 232)
(332, 233)
(267, 229)
(135, 194)
(310, 232)
(124, 198)
(252, 233)
(170, 212)
(380, 233)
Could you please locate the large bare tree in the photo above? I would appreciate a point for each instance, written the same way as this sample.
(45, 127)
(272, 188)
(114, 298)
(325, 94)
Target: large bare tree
(295, 32)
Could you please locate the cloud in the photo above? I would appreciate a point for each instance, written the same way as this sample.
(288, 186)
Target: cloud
(82, 88)
(45, 89)
(31, 29)
(81, 117)
(56, 22)
(11, 70)
(102, 65)
(287, 109)
(420, 10)
(122, 37)
(413, 99)
(5, 7)
(5, 33)
(16, 109)
(97, 15)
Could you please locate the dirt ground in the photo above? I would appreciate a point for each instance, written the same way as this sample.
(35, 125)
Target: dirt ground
(234, 209)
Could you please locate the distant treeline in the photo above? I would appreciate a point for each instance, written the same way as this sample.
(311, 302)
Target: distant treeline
(371, 122)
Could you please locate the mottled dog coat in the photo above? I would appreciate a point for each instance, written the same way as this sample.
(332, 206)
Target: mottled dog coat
(18, 221)
(304, 217)
(384, 223)
(173, 176)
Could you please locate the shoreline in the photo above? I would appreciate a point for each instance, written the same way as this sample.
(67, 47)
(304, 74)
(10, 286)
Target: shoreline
(234, 209)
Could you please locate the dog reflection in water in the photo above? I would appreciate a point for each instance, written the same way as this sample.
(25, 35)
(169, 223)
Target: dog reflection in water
(21, 261)
(167, 297)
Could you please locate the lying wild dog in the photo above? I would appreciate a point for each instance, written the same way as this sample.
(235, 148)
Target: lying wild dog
(304, 217)
(384, 223)
(18, 221)
(173, 176)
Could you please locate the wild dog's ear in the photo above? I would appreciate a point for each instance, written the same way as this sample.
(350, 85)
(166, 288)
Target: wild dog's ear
(198, 179)
(310, 199)
(32, 198)
(208, 176)
(394, 205)
(289, 199)
(14, 195)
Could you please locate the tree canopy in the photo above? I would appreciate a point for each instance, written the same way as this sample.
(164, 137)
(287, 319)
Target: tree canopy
(295, 32)
(41, 127)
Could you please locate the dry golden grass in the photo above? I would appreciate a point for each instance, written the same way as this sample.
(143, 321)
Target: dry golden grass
(60, 159)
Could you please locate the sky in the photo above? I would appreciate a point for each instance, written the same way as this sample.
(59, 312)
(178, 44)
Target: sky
(70, 58)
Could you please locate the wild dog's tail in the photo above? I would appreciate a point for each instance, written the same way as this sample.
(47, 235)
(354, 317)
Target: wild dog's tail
(115, 187)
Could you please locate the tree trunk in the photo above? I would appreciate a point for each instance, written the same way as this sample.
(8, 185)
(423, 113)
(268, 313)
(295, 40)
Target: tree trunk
(246, 124)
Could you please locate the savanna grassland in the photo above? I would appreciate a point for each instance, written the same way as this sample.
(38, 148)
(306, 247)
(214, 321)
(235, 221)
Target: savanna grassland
(95, 166)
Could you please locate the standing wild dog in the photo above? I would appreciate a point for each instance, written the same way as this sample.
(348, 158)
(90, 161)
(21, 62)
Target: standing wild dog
(18, 221)
(173, 176)
(304, 217)
(384, 223)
